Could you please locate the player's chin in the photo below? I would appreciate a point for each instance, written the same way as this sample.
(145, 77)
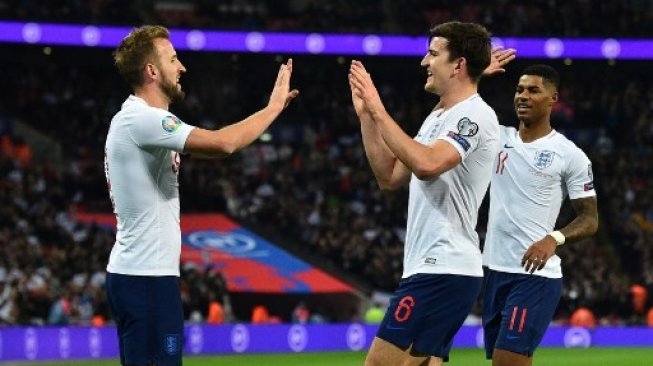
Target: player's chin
(429, 87)
(524, 118)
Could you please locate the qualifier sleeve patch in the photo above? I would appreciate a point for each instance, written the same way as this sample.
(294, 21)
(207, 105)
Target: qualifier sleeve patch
(466, 127)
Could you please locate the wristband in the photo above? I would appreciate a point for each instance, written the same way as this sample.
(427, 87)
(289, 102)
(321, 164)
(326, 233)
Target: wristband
(558, 237)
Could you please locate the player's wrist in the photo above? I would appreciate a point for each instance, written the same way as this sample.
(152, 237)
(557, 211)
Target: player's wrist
(275, 108)
(558, 236)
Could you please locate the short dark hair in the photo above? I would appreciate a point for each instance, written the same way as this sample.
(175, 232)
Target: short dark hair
(136, 50)
(468, 40)
(548, 74)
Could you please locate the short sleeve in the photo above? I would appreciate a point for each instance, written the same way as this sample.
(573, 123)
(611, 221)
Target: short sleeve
(160, 129)
(578, 175)
(463, 132)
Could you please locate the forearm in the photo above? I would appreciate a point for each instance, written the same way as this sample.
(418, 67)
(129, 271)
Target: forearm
(381, 159)
(238, 135)
(411, 153)
(586, 222)
(581, 228)
(227, 140)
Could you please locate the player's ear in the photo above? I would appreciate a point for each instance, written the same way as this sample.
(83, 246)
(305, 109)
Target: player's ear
(151, 71)
(459, 65)
(554, 97)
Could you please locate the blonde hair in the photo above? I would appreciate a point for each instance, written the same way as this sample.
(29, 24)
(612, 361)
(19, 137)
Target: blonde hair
(136, 50)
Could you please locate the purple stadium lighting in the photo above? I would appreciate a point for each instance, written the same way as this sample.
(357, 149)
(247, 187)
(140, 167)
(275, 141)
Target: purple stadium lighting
(62, 343)
(317, 44)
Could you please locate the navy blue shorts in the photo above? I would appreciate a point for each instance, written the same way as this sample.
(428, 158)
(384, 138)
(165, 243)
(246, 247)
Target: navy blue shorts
(149, 317)
(427, 310)
(517, 310)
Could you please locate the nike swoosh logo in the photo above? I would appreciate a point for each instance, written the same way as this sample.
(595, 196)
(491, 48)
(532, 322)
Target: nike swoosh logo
(391, 327)
(508, 146)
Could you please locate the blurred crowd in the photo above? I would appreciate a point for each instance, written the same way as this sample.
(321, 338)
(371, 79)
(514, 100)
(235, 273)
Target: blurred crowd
(307, 180)
(570, 18)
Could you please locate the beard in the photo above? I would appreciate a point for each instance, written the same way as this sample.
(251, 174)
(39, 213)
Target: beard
(171, 91)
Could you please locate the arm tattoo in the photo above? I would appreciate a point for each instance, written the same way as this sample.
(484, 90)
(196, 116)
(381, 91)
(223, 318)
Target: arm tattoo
(586, 222)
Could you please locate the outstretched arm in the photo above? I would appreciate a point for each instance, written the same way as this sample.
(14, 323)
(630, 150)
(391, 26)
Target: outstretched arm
(426, 162)
(583, 226)
(390, 173)
(234, 137)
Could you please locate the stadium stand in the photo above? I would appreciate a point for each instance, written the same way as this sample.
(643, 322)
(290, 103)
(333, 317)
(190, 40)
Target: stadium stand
(504, 17)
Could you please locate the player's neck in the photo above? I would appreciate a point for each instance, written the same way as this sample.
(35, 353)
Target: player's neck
(533, 131)
(154, 97)
(456, 95)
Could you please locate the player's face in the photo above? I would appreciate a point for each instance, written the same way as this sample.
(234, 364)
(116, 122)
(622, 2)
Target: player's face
(534, 98)
(170, 68)
(439, 70)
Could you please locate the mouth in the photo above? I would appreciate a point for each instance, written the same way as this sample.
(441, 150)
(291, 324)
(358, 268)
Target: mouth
(522, 107)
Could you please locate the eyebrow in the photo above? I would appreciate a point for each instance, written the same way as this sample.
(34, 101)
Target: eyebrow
(528, 86)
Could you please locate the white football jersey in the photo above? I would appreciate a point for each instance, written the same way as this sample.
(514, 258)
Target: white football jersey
(141, 164)
(442, 211)
(529, 183)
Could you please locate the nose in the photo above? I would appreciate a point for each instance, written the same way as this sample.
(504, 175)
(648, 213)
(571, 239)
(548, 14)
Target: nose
(425, 62)
(182, 68)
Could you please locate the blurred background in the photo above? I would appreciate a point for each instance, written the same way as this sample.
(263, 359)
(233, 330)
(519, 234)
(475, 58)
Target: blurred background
(304, 192)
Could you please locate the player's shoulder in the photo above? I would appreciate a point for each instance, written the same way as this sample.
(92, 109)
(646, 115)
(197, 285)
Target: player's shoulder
(136, 109)
(474, 111)
(567, 147)
(477, 107)
(563, 142)
(137, 105)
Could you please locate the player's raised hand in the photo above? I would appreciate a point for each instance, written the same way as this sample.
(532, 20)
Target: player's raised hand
(281, 94)
(363, 87)
(538, 254)
(359, 104)
(499, 59)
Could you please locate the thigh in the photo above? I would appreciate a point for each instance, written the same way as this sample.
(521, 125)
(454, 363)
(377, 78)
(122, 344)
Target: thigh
(149, 318)
(497, 289)
(129, 302)
(427, 310)
(167, 322)
(448, 304)
(116, 310)
(527, 312)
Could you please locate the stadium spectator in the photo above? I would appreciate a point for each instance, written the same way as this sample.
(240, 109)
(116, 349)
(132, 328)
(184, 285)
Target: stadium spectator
(374, 314)
(216, 312)
(583, 317)
(300, 314)
(639, 296)
(260, 314)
